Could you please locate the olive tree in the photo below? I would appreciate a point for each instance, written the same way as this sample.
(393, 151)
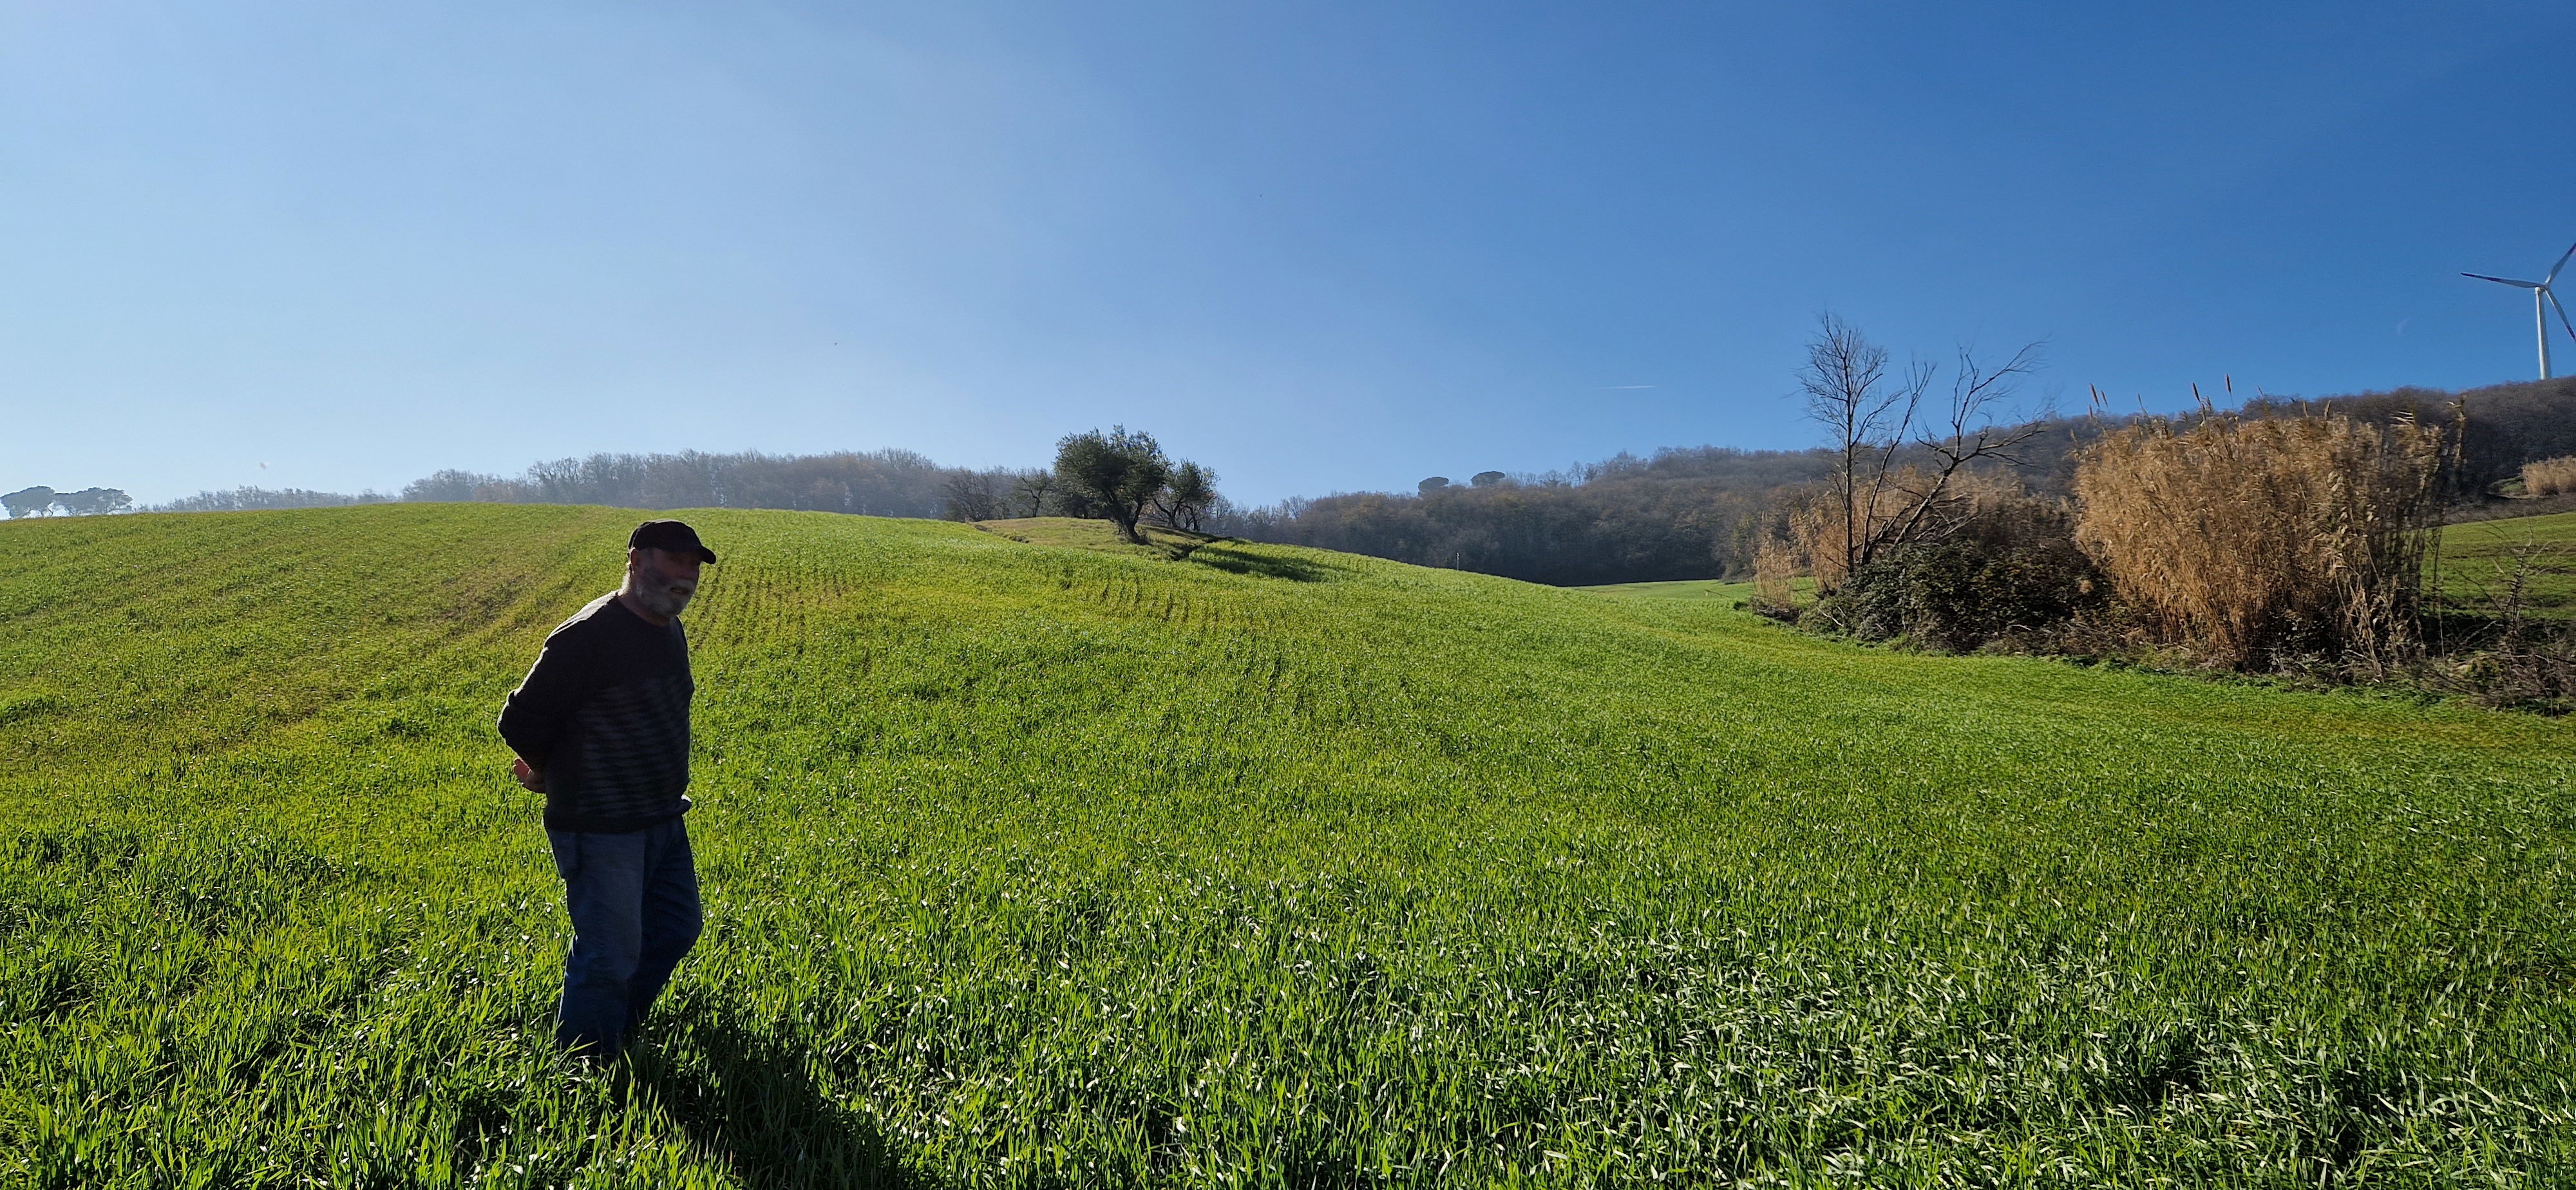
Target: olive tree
(1186, 500)
(1119, 473)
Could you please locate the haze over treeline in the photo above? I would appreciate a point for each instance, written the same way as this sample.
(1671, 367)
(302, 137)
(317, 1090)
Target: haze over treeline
(1695, 512)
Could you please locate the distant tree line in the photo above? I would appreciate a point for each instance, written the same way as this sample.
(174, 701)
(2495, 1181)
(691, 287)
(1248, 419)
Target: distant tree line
(1122, 476)
(1703, 512)
(45, 501)
(250, 499)
(875, 483)
(897, 483)
(1685, 513)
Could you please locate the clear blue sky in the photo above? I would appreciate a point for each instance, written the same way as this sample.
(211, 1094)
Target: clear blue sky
(1317, 246)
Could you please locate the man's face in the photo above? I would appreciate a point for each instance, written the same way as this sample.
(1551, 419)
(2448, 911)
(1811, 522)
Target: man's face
(662, 580)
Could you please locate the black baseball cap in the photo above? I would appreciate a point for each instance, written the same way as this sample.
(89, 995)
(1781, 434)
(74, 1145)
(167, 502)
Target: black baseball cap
(675, 536)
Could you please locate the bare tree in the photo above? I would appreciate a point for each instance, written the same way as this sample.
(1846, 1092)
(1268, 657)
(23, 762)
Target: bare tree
(1848, 393)
(975, 496)
(1870, 414)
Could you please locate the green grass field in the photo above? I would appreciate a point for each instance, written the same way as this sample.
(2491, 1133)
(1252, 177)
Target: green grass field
(2480, 558)
(1036, 865)
(1718, 590)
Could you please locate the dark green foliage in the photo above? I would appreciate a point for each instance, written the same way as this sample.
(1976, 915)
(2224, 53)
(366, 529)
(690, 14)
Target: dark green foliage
(1185, 503)
(1045, 493)
(2009, 568)
(1120, 472)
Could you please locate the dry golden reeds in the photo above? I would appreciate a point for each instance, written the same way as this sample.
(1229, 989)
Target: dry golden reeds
(1775, 563)
(2242, 540)
(1812, 544)
(2549, 477)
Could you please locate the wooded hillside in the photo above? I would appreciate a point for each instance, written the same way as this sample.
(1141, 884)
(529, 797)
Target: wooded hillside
(1698, 513)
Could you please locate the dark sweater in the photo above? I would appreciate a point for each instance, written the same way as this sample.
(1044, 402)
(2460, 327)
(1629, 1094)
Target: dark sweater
(604, 715)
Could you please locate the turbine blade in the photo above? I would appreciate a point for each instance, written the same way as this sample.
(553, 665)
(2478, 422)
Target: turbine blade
(2562, 263)
(2562, 313)
(2503, 280)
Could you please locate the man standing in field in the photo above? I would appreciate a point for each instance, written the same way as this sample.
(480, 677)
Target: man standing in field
(601, 726)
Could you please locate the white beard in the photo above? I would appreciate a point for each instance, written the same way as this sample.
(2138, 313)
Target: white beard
(654, 592)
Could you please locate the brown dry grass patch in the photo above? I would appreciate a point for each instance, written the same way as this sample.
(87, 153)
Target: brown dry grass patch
(2549, 477)
(2248, 541)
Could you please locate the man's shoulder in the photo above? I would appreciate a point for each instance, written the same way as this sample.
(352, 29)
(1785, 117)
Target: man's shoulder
(603, 614)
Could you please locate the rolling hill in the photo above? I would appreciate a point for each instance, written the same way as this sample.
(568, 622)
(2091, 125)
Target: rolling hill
(1032, 863)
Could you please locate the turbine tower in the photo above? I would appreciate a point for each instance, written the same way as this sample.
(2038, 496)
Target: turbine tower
(2542, 301)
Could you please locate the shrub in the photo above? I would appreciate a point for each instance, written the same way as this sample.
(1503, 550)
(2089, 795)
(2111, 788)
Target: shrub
(2532, 670)
(2549, 477)
(2250, 542)
(2009, 566)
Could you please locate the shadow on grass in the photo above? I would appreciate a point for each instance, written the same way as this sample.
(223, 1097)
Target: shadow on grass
(1225, 557)
(742, 1095)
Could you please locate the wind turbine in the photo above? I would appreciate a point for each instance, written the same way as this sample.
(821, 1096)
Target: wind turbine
(2541, 302)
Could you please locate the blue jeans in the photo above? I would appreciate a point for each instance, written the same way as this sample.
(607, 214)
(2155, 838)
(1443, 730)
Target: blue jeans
(634, 902)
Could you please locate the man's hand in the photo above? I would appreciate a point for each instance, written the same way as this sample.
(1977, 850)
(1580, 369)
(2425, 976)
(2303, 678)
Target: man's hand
(528, 778)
